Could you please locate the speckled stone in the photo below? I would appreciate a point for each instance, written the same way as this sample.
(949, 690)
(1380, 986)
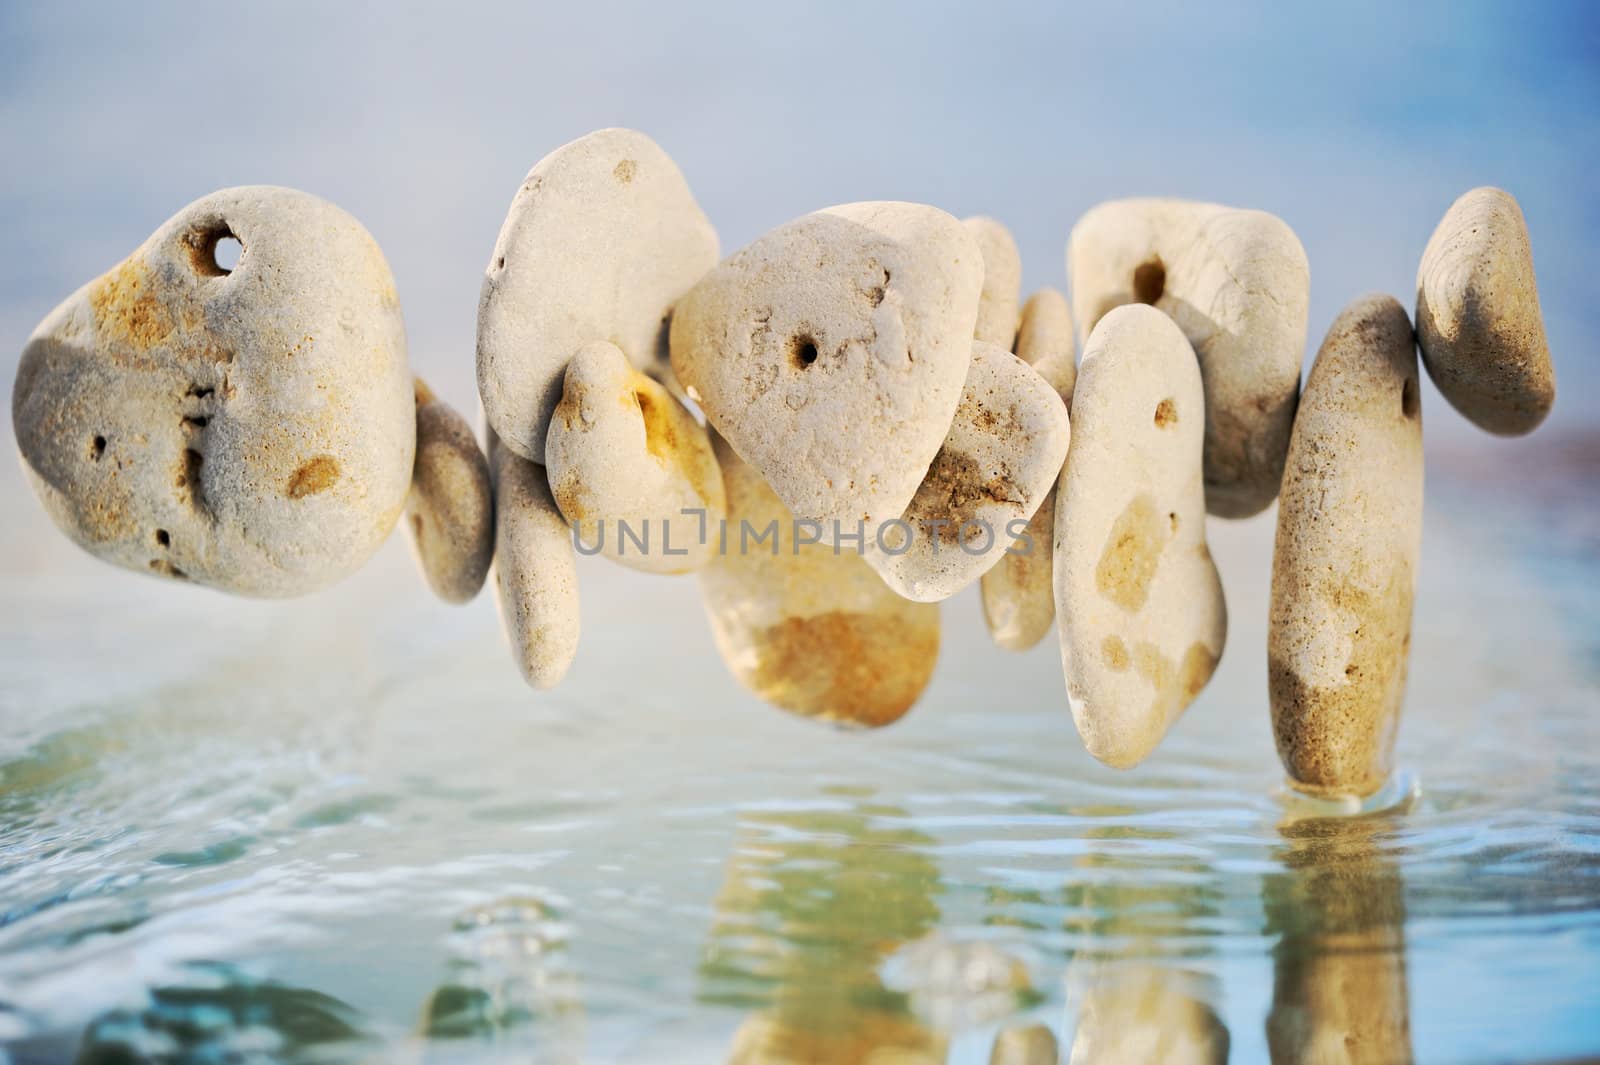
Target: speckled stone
(831, 353)
(1345, 562)
(998, 313)
(601, 240)
(1019, 599)
(536, 571)
(1238, 285)
(1478, 319)
(806, 629)
(1138, 602)
(624, 452)
(450, 512)
(248, 429)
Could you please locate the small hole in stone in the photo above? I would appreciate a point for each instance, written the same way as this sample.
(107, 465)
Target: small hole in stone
(214, 251)
(1408, 398)
(1172, 519)
(500, 263)
(1149, 280)
(226, 254)
(1166, 414)
(193, 421)
(163, 538)
(805, 351)
(97, 447)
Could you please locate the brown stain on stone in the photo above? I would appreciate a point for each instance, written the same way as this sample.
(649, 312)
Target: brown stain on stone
(955, 490)
(1166, 414)
(126, 308)
(313, 476)
(624, 171)
(569, 497)
(1176, 684)
(1132, 553)
(853, 668)
(570, 408)
(1115, 653)
(671, 437)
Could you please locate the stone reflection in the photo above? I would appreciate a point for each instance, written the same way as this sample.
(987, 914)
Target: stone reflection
(1031, 1045)
(813, 903)
(1141, 1011)
(1338, 910)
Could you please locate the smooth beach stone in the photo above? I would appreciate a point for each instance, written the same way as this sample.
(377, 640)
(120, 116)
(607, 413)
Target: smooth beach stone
(831, 353)
(998, 463)
(1238, 285)
(1478, 319)
(536, 568)
(1344, 567)
(1019, 597)
(1002, 281)
(1033, 1044)
(601, 240)
(450, 512)
(805, 628)
(251, 429)
(623, 452)
(1138, 602)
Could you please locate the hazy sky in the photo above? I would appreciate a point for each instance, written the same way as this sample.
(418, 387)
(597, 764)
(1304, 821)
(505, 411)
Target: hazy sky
(1357, 126)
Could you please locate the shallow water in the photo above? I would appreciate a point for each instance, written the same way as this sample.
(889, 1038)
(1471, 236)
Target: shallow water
(341, 830)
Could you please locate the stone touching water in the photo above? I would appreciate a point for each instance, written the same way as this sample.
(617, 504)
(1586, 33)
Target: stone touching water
(1138, 600)
(1344, 568)
(248, 428)
(450, 512)
(1478, 319)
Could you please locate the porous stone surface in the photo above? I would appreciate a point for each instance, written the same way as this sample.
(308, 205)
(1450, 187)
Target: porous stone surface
(631, 468)
(1018, 593)
(1238, 285)
(1138, 602)
(536, 568)
(251, 429)
(1478, 319)
(805, 628)
(450, 512)
(1345, 561)
(601, 240)
(999, 461)
(1002, 281)
(831, 353)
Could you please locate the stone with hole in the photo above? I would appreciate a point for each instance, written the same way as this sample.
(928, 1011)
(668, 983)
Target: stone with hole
(1238, 285)
(1019, 598)
(251, 429)
(535, 566)
(998, 462)
(1478, 319)
(1344, 568)
(631, 468)
(601, 240)
(807, 629)
(831, 354)
(1138, 603)
(450, 512)
(1002, 281)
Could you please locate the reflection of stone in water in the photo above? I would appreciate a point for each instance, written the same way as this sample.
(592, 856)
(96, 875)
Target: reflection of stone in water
(1147, 1013)
(813, 902)
(222, 1016)
(954, 986)
(511, 980)
(1339, 989)
(1033, 1045)
(1136, 889)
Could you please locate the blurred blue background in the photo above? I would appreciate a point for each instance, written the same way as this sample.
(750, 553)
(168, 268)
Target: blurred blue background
(1357, 124)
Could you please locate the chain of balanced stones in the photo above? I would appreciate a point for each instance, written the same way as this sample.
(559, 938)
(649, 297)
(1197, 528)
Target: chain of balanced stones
(868, 367)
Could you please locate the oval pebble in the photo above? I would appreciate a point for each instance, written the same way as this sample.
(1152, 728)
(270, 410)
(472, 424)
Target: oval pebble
(248, 428)
(1478, 319)
(450, 512)
(631, 468)
(1345, 561)
(831, 353)
(1002, 282)
(1138, 602)
(1238, 285)
(806, 629)
(602, 238)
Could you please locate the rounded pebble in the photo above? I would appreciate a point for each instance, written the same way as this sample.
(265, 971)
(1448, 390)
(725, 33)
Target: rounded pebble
(1002, 282)
(450, 512)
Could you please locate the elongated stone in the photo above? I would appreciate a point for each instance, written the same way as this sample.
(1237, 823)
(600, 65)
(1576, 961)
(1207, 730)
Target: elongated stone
(601, 240)
(1138, 602)
(1238, 285)
(1344, 567)
(450, 512)
(998, 314)
(251, 427)
(631, 468)
(809, 630)
(831, 353)
(1478, 318)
